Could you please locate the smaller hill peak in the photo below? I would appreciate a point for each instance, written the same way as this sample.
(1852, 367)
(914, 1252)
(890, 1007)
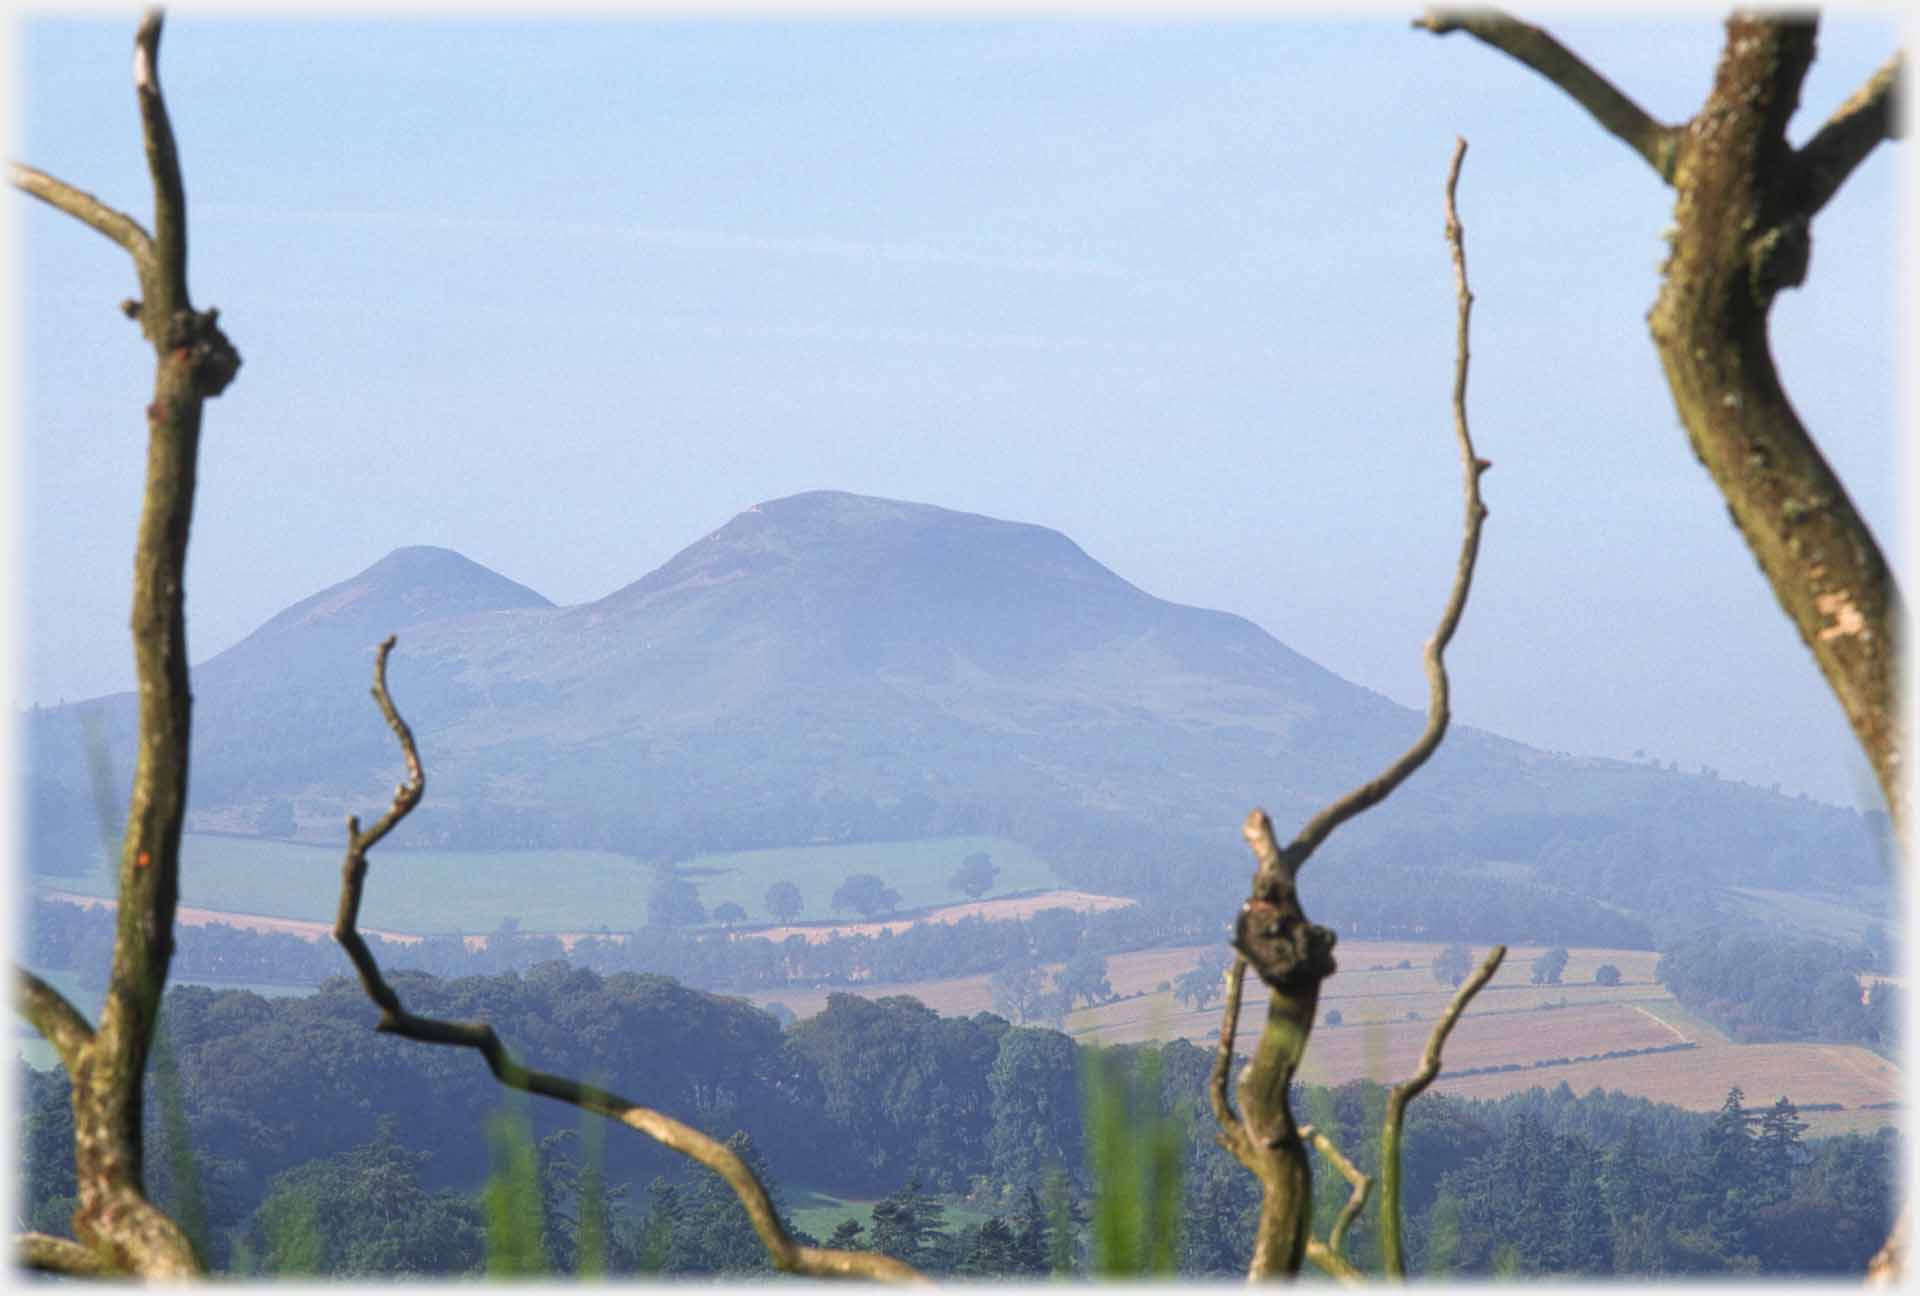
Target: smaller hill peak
(411, 585)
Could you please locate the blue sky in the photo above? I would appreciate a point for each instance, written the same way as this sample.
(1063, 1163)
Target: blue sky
(568, 296)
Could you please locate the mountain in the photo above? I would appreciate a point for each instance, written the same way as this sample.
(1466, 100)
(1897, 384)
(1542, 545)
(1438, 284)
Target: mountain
(831, 667)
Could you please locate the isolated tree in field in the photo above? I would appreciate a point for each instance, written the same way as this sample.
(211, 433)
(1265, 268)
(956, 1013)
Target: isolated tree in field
(1084, 977)
(729, 913)
(674, 901)
(1744, 203)
(866, 895)
(1204, 982)
(1607, 975)
(784, 902)
(1451, 965)
(1548, 968)
(975, 875)
(1016, 989)
(115, 1228)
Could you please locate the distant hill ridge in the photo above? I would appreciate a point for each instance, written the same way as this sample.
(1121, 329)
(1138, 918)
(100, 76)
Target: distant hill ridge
(834, 667)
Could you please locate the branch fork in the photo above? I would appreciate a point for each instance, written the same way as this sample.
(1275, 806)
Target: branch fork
(1291, 955)
(116, 1229)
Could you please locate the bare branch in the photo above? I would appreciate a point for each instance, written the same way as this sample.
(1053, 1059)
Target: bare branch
(112, 1216)
(1333, 1263)
(1292, 955)
(49, 1254)
(1337, 1235)
(684, 1139)
(1856, 128)
(1438, 713)
(88, 210)
(1622, 117)
(1223, 1056)
(1390, 1250)
(1430, 1060)
(168, 292)
(57, 1020)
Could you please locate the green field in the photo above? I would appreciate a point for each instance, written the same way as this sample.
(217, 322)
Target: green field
(555, 891)
(918, 870)
(1839, 918)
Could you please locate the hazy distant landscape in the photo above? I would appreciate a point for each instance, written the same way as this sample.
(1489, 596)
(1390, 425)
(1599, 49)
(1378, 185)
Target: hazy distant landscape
(836, 670)
(832, 686)
(856, 882)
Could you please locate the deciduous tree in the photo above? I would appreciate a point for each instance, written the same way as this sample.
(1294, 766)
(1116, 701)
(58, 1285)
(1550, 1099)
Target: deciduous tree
(1451, 965)
(784, 902)
(1204, 982)
(866, 894)
(1548, 968)
(975, 875)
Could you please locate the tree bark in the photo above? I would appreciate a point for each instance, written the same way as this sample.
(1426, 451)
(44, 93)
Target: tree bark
(118, 1229)
(1744, 203)
(1291, 955)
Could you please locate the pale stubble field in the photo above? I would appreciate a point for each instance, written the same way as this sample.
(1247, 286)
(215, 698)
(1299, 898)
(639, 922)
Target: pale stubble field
(1387, 1013)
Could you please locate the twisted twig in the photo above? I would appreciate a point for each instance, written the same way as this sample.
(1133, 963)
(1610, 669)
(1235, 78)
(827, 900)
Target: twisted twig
(1361, 1184)
(1231, 1132)
(785, 1253)
(1390, 1250)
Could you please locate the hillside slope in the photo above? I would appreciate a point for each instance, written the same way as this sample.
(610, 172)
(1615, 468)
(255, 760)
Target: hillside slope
(831, 667)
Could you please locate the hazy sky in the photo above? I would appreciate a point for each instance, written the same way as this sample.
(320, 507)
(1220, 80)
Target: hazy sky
(567, 297)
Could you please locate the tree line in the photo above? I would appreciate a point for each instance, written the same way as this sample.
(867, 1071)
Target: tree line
(1758, 986)
(63, 935)
(319, 1146)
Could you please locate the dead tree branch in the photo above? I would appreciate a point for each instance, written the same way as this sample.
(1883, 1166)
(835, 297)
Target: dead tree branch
(1231, 1133)
(1870, 115)
(1361, 1184)
(1292, 955)
(1391, 1252)
(57, 1020)
(113, 1220)
(45, 1253)
(1743, 207)
(1334, 1265)
(88, 210)
(785, 1253)
(1619, 115)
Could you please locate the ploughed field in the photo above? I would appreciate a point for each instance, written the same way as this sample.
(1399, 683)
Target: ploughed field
(1514, 1036)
